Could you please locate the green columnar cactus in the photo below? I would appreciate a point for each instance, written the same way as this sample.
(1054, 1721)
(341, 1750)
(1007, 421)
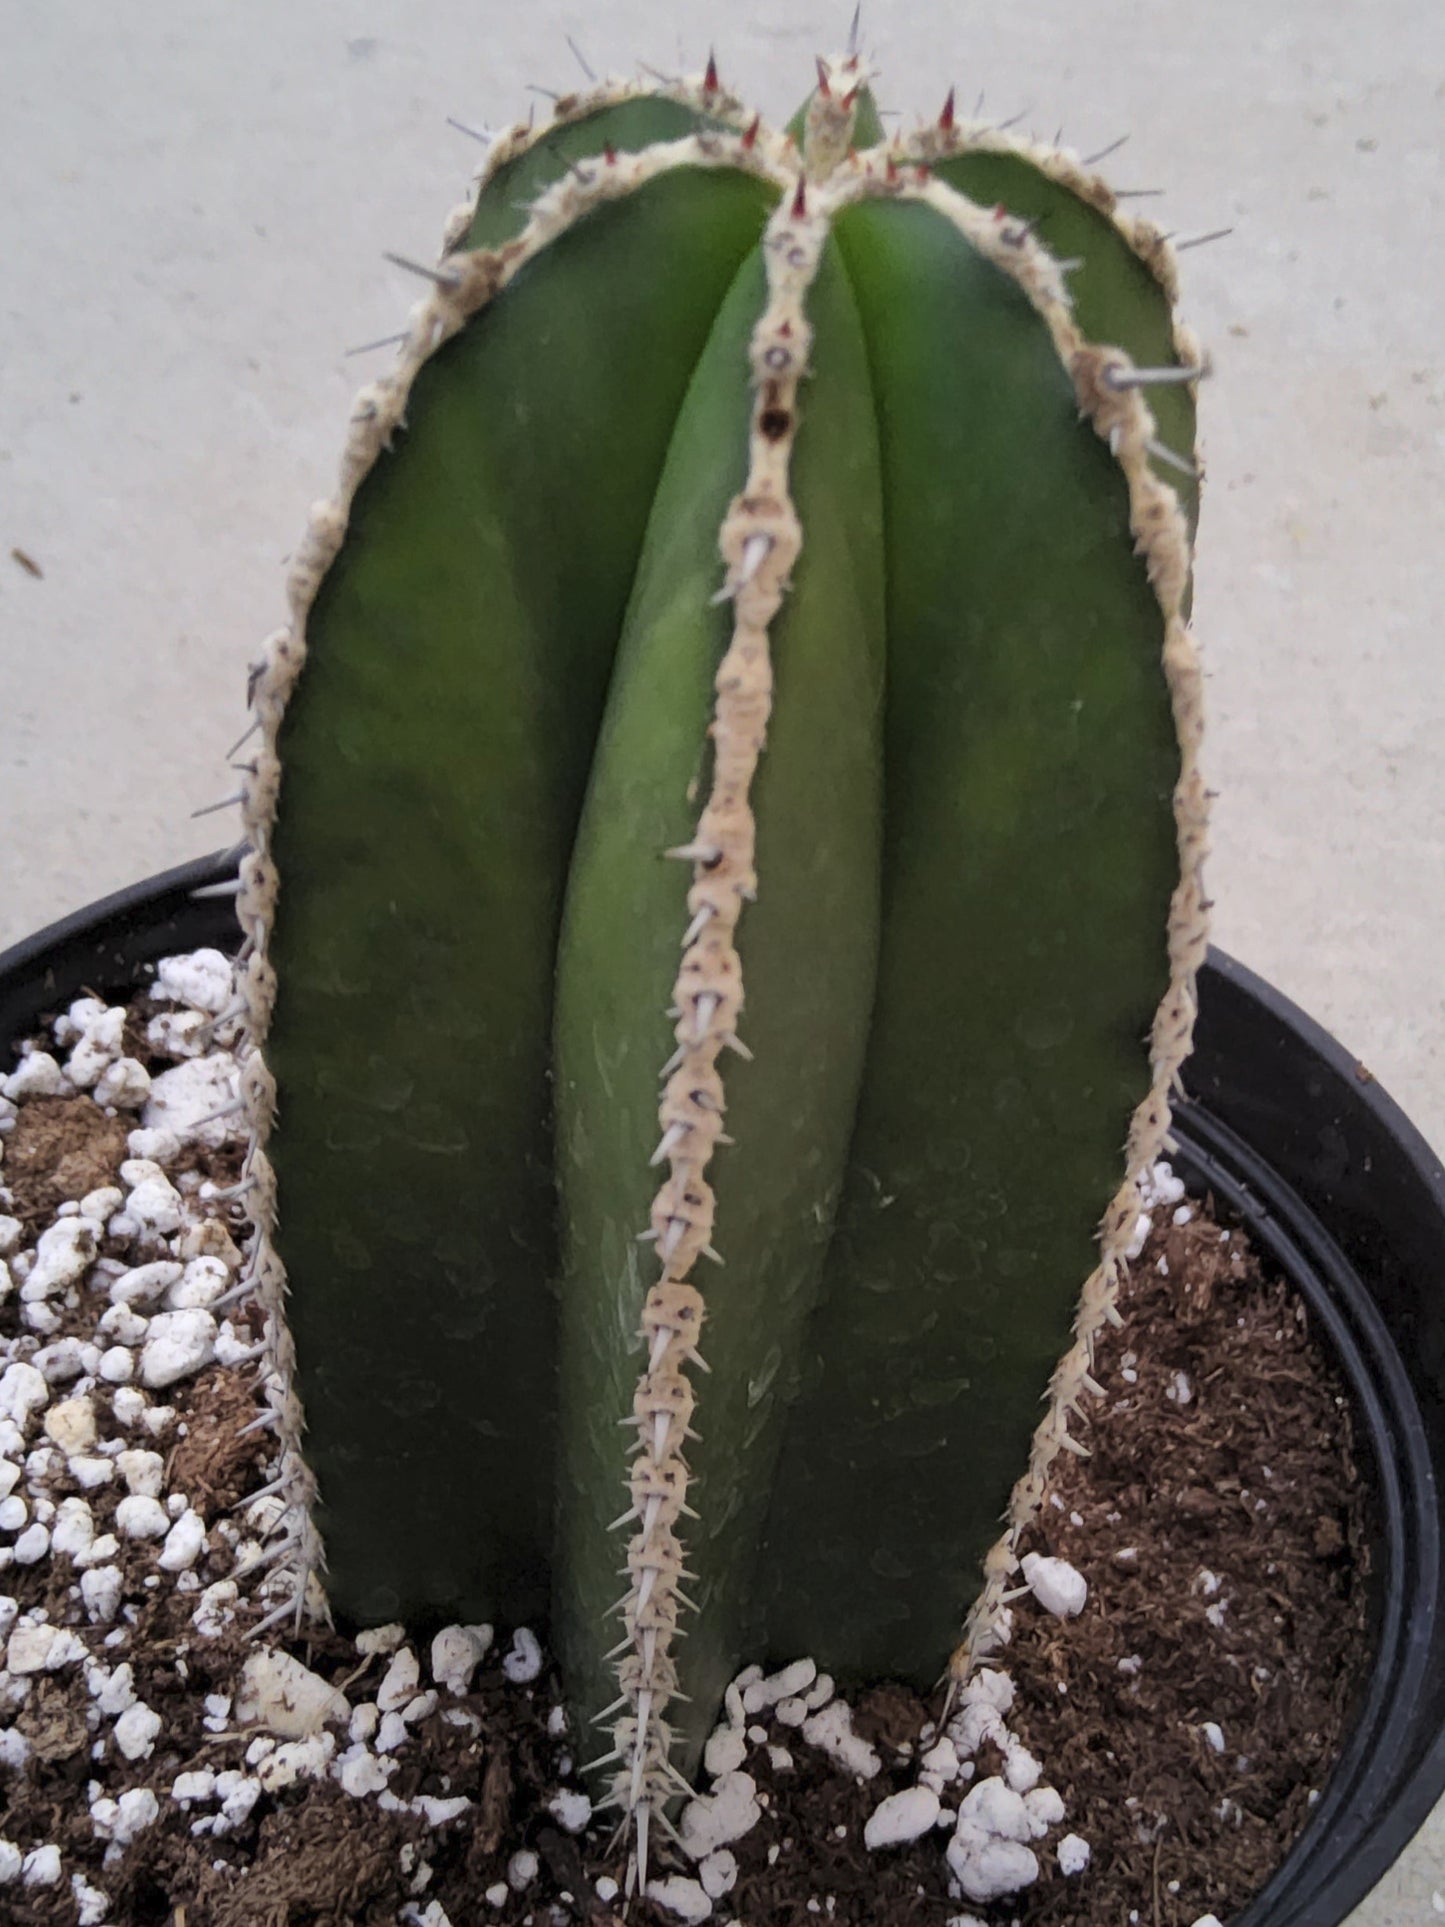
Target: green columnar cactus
(890, 1037)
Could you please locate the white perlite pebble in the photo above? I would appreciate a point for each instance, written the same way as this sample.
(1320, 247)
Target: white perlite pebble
(184, 1543)
(498, 1894)
(787, 1684)
(117, 1366)
(157, 1147)
(524, 1661)
(571, 1811)
(113, 1692)
(143, 1284)
(14, 1749)
(142, 1471)
(64, 1254)
(296, 1760)
(379, 1639)
(215, 1608)
(136, 1730)
(200, 1285)
(1214, 1734)
(71, 1424)
(72, 1531)
(140, 1517)
(155, 1205)
(41, 1866)
(718, 1874)
(64, 1360)
(1073, 1854)
(277, 1691)
(1059, 1587)
(13, 1513)
(124, 1820)
(91, 1472)
(1045, 1808)
(456, 1652)
(91, 1903)
(28, 1648)
(177, 1344)
(100, 1593)
(726, 1749)
(181, 1097)
(1143, 1225)
(1158, 1185)
(201, 978)
(36, 1075)
(901, 1817)
(1207, 1920)
(11, 1232)
(714, 1819)
(987, 1868)
(361, 1773)
(522, 1869)
(682, 1897)
(32, 1545)
(831, 1731)
(123, 1086)
(994, 1808)
(10, 1862)
(23, 1391)
(400, 1682)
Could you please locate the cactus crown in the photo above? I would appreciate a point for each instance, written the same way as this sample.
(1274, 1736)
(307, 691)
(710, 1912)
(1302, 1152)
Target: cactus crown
(926, 755)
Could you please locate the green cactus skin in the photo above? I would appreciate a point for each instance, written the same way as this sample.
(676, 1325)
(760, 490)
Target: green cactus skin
(928, 756)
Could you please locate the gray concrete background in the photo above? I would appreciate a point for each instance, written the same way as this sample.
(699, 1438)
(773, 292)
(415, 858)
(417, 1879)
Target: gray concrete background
(197, 199)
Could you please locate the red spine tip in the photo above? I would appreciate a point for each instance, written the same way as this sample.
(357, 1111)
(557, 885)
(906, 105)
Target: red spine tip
(609, 154)
(800, 200)
(945, 119)
(823, 87)
(892, 168)
(849, 98)
(709, 79)
(1000, 212)
(750, 139)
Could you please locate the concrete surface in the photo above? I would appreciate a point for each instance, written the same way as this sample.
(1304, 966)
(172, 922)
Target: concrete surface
(198, 196)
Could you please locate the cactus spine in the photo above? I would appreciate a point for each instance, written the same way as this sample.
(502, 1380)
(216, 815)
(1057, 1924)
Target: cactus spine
(955, 535)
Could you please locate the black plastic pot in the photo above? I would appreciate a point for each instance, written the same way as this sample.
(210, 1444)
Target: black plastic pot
(1297, 1141)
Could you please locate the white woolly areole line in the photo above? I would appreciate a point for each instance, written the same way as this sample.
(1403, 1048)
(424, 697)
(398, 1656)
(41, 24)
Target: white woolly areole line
(760, 540)
(464, 284)
(1121, 417)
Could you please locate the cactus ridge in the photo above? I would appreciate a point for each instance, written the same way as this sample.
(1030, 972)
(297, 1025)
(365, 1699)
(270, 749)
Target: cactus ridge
(463, 286)
(759, 541)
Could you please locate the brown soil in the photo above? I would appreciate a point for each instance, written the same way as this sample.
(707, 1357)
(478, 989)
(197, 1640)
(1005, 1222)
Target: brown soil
(61, 1148)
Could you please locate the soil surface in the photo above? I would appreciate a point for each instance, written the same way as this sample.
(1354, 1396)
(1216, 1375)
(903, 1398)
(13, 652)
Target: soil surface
(1188, 1716)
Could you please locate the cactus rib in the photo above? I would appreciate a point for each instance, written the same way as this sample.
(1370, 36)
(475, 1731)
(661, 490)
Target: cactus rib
(473, 281)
